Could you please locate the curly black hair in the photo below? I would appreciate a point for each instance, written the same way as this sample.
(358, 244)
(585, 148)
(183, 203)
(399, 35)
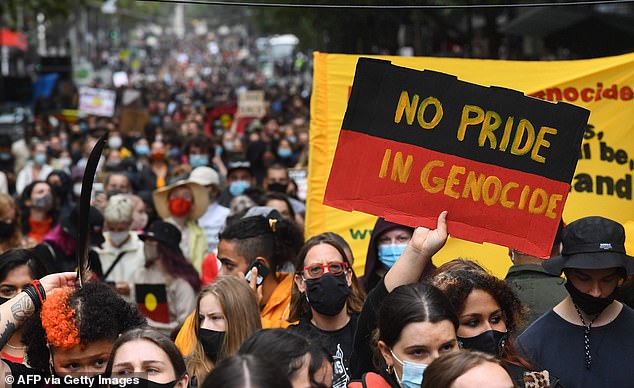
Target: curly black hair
(458, 284)
(101, 314)
(272, 238)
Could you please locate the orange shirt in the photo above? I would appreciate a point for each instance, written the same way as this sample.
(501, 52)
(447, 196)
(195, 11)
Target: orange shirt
(39, 229)
(277, 309)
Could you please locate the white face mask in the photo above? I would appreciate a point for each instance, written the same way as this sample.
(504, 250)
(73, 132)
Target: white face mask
(118, 238)
(151, 252)
(77, 189)
(114, 142)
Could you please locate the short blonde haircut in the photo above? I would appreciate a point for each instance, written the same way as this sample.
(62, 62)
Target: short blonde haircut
(119, 209)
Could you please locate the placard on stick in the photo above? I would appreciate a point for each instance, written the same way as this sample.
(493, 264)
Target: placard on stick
(414, 143)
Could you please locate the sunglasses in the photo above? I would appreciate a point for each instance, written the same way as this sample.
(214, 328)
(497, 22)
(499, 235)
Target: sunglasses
(315, 271)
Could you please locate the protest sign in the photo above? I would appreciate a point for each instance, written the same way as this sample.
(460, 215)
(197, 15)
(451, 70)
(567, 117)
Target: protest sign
(133, 121)
(98, 102)
(496, 159)
(251, 104)
(602, 182)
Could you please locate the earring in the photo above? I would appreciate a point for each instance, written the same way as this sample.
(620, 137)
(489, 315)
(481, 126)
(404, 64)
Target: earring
(390, 369)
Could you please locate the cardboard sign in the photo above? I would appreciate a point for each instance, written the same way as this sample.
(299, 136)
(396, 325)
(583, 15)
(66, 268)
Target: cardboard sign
(133, 121)
(98, 102)
(251, 104)
(414, 143)
(151, 301)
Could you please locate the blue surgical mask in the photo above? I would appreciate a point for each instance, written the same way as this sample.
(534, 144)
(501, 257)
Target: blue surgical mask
(284, 153)
(198, 160)
(142, 150)
(389, 253)
(237, 187)
(412, 373)
(40, 159)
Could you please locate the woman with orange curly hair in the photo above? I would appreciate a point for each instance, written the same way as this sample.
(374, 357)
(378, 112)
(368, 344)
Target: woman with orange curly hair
(68, 331)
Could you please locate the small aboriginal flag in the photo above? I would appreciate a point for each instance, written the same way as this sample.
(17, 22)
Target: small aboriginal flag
(151, 300)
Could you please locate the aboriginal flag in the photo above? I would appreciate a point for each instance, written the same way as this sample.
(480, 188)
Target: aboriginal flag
(151, 300)
(414, 143)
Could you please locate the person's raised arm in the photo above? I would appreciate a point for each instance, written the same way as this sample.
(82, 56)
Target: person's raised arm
(17, 309)
(424, 244)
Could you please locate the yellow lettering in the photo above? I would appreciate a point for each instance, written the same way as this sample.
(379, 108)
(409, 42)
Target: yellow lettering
(407, 107)
(552, 204)
(473, 185)
(523, 126)
(504, 196)
(541, 142)
(539, 196)
(488, 198)
(385, 163)
(451, 181)
(524, 197)
(437, 116)
(401, 170)
(467, 119)
(424, 177)
(506, 137)
(491, 122)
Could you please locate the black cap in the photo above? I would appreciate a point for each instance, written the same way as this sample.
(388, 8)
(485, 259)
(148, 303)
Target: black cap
(163, 232)
(237, 164)
(592, 243)
(70, 224)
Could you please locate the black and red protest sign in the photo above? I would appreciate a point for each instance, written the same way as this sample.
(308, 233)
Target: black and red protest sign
(414, 143)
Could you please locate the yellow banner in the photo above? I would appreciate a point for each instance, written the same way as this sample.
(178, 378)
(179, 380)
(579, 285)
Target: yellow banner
(602, 184)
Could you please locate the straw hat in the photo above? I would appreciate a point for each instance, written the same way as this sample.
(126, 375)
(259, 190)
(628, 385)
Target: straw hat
(199, 193)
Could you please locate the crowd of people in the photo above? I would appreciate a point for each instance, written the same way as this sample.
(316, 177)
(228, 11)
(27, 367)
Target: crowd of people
(204, 213)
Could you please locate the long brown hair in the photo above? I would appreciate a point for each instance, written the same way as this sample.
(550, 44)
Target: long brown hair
(299, 306)
(15, 240)
(444, 371)
(242, 318)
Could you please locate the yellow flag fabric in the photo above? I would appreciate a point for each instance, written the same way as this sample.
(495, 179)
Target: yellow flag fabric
(602, 184)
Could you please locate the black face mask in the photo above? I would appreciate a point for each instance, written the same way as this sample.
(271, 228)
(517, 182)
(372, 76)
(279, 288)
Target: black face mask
(328, 294)
(4, 300)
(278, 187)
(6, 229)
(491, 342)
(589, 304)
(212, 342)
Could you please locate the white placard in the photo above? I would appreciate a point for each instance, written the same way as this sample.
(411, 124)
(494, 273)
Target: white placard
(98, 102)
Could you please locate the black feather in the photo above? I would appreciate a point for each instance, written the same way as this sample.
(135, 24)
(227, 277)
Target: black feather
(84, 209)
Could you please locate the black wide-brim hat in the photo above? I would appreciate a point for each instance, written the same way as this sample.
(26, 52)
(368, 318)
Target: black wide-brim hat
(592, 243)
(165, 233)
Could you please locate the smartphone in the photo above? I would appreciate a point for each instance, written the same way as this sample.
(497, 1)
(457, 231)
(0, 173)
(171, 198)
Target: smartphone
(263, 272)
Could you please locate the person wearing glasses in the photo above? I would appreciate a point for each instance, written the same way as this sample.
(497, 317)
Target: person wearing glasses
(326, 300)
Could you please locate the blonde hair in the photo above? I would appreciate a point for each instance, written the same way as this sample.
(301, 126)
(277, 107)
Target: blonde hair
(242, 318)
(119, 209)
(6, 204)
